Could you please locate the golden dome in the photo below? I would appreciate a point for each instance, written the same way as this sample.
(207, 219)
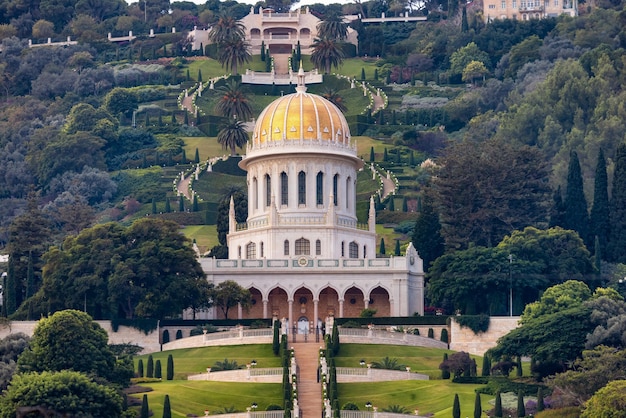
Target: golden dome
(301, 116)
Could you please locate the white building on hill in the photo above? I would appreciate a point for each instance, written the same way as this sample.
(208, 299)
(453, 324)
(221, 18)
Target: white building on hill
(302, 252)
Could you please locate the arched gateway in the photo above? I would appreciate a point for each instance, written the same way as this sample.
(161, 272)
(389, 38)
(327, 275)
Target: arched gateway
(302, 253)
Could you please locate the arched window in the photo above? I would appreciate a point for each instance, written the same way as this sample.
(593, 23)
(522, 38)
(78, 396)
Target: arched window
(343, 249)
(365, 251)
(286, 247)
(303, 247)
(302, 188)
(353, 250)
(239, 252)
(318, 247)
(251, 250)
(284, 189)
(255, 193)
(348, 191)
(262, 249)
(335, 188)
(319, 189)
(268, 190)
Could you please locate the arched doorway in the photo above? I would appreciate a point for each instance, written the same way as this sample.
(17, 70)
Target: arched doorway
(303, 325)
(353, 303)
(379, 301)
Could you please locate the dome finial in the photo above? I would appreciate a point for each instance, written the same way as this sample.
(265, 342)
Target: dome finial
(301, 87)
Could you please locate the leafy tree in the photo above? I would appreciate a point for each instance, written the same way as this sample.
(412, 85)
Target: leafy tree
(233, 135)
(599, 220)
(608, 315)
(557, 211)
(11, 347)
(576, 215)
(170, 368)
(69, 340)
(65, 392)
(233, 102)
(229, 294)
(607, 402)
(501, 172)
(473, 71)
(521, 54)
(463, 56)
(457, 363)
(120, 100)
(557, 298)
(427, 238)
(326, 54)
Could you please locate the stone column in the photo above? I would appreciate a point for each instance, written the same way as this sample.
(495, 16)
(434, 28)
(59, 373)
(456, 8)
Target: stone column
(239, 311)
(265, 303)
(290, 319)
(340, 308)
(315, 312)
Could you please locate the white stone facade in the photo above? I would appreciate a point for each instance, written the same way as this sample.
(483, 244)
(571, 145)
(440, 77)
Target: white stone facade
(528, 9)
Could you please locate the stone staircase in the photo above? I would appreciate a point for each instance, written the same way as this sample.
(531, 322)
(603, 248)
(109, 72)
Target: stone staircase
(309, 389)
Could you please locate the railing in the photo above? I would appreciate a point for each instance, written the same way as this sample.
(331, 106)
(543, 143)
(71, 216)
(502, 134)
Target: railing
(399, 338)
(375, 414)
(260, 414)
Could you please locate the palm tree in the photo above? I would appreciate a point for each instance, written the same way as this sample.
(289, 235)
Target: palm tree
(333, 96)
(326, 53)
(226, 29)
(232, 135)
(233, 102)
(333, 27)
(234, 52)
(389, 364)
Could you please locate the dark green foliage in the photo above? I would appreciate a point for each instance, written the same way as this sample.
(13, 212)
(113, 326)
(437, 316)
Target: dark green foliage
(170, 368)
(157, 369)
(168, 208)
(576, 215)
(372, 155)
(427, 238)
(150, 367)
(381, 251)
(181, 203)
(497, 411)
(521, 409)
(477, 323)
(444, 335)
(540, 403)
(431, 333)
(199, 75)
(397, 250)
(376, 74)
(599, 220)
(362, 74)
(195, 203)
(486, 371)
(196, 158)
(186, 118)
(385, 156)
(391, 206)
(335, 339)
(445, 372)
(154, 207)
(456, 407)
(518, 366)
(167, 409)
(145, 409)
(262, 50)
(478, 410)
(140, 368)
(183, 158)
(276, 338)
(405, 204)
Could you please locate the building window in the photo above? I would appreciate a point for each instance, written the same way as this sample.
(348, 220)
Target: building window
(255, 193)
(335, 188)
(251, 251)
(302, 188)
(556, 3)
(286, 247)
(319, 188)
(303, 247)
(284, 189)
(514, 4)
(492, 6)
(353, 249)
(365, 251)
(239, 252)
(503, 5)
(343, 249)
(348, 191)
(318, 247)
(268, 190)
(262, 249)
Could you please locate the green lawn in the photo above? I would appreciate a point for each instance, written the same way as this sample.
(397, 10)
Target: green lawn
(207, 147)
(205, 236)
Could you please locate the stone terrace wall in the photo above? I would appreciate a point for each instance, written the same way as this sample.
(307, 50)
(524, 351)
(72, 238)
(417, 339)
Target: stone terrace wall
(464, 339)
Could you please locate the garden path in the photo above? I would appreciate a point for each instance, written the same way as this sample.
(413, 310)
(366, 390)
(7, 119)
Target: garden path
(309, 389)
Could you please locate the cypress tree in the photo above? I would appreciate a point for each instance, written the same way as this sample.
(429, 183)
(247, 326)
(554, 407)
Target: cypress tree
(456, 407)
(445, 372)
(188, 76)
(147, 121)
(397, 250)
(376, 74)
(385, 155)
(298, 53)
(150, 367)
(464, 24)
(183, 158)
(196, 158)
(362, 74)
(486, 371)
(186, 118)
(195, 203)
(394, 120)
(405, 204)
(276, 338)
(382, 246)
(140, 368)
(335, 339)
(392, 205)
(497, 411)
(616, 250)
(154, 208)
(521, 410)
(199, 75)
(478, 409)
(411, 158)
(372, 155)
(181, 204)
(557, 211)
(173, 120)
(427, 238)
(398, 154)
(168, 208)
(158, 373)
(160, 119)
(576, 215)
(144, 162)
(381, 117)
(540, 405)
(170, 368)
(167, 409)
(263, 51)
(30, 277)
(145, 410)
(599, 218)
(268, 66)
(157, 161)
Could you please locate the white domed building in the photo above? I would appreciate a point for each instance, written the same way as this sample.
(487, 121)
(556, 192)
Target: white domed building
(302, 252)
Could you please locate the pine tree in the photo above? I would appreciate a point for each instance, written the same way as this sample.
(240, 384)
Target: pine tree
(150, 367)
(158, 373)
(456, 407)
(521, 410)
(427, 238)
(599, 220)
(464, 24)
(183, 158)
(181, 204)
(168, 208)
(616, 250)
(199, 75)
(497, 411)
(169, 374)
(372, 155)
(397, 250)
(145, 409)
(167, 409)
(478, 409)
(576, 215)
(445, 373)
(557, 211)
(382, 246)
(140, 368)
(196, 158)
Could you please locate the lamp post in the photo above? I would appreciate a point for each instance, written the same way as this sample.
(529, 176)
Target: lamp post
(253, 363)
(362, 362)
(510, 284)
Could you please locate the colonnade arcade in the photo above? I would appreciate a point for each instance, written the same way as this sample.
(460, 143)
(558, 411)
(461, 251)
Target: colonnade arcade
(303, 305)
